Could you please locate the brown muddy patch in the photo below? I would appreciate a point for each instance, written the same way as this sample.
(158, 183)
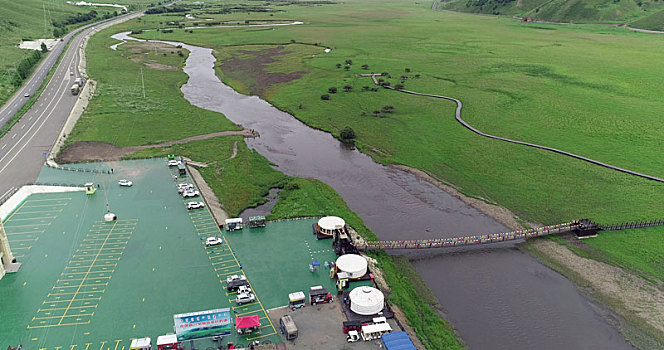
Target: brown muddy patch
(251, 71)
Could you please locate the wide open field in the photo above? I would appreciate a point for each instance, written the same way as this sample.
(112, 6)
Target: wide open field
(591, 90)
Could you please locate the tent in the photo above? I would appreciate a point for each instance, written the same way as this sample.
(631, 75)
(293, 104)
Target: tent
(397, 341)
(247, 322)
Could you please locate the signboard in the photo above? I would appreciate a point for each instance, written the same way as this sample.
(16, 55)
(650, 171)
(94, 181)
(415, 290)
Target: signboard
(202, 324)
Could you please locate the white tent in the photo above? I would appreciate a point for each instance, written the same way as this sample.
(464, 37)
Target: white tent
(328, 224)
(366, 300)
(354, 265)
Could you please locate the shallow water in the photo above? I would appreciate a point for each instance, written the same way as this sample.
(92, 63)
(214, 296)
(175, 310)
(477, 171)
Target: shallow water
(496, 297)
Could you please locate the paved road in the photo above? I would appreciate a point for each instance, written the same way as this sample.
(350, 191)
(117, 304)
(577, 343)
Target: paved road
(23, 148)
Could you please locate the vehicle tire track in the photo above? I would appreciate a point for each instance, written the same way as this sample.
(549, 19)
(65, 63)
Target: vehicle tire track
(551, 149)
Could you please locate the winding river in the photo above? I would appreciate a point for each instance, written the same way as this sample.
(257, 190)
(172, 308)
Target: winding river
(496, 297)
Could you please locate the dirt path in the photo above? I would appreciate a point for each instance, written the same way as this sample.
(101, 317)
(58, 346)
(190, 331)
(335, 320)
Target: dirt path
(92, 150)
(234, 152)
(551, 149)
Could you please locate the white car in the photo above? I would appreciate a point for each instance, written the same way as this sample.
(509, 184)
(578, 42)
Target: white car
(210, 241)
(124, 182)
(243, 289)
(244, 298)
(190, 193)
(173, 162)
(195, 205)
(26, 95)
(185, 186)
(232, 278)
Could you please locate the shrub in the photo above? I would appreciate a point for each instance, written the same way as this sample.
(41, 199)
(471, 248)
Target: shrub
(325, 97)
(347, 134)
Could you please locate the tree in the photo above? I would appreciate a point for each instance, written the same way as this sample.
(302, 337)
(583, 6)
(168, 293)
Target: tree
(347, 67)
(349, 62)
(44, 49)
(338, 64)
(365, 66)
(376, 113)
(325, 97)
(347, 134)
(348, 88)
(387, 109)
(407, 70)
(332, 90)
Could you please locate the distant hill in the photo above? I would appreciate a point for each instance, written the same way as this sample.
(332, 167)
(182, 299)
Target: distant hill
(633, 12)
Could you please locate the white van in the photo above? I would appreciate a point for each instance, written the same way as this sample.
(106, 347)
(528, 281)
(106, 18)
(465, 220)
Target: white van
(141, 344)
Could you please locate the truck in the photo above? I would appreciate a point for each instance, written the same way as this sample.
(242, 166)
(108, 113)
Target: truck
(75, 89)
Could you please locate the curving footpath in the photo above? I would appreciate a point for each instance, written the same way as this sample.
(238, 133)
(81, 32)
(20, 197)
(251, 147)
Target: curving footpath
(551, 149)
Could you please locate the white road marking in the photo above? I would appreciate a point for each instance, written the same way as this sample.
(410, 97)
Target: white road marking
(3, 146)
(13, 137)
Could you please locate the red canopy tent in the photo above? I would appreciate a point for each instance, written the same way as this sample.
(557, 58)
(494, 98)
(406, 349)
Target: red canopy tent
(247, 322)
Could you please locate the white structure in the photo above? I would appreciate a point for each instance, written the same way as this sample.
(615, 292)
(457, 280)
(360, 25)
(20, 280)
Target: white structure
(328, 224)
(366, 300)
(354, 266)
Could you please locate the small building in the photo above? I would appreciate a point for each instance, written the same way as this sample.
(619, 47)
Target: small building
(256, 221)
(351, 266)
(234, 224)
(90, 188)
(327, 225)
(366, 300)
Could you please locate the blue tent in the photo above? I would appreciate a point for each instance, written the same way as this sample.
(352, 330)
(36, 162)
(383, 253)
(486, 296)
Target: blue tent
(397, 341)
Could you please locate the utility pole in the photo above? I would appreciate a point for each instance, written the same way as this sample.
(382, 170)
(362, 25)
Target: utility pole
(142, 82)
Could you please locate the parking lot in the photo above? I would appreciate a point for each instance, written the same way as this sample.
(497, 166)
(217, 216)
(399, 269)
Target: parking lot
(89, 284)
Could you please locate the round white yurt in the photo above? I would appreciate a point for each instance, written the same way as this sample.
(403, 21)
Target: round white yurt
(355, 266)
(366, 300)
(327, 224)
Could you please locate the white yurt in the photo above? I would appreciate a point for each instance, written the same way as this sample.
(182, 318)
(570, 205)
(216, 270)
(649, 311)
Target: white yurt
(355, 266)
(366, 300)
(328, 224)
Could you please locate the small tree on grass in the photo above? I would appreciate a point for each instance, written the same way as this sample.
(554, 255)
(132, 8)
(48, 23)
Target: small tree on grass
(365, 88)
(407, 70)
(332, 90)
(387, 109)
(349, 62)
(44, 49)
(348, 88)
(376, 113)
(338, 65)
(347, 67)
(325, 97)
(365, 66)
(347, 134)
(398, 86)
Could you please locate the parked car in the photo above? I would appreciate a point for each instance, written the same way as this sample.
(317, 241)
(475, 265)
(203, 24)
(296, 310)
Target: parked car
(125, 182)
(235, 285)
(210, 241)
(244, 298)
(185, 186)
(232, 278)
(190, 193)
(244, 289)
(195, 205)
(173, 162)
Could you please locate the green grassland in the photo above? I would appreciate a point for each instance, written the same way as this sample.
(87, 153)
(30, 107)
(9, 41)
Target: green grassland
(120, 115)
(28, 20)
(592, 90)
(575, 11)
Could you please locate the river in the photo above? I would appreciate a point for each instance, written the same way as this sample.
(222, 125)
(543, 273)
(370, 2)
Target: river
(496, 298)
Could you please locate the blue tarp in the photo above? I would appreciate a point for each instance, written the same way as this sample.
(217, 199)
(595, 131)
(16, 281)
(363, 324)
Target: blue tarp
(397, 341)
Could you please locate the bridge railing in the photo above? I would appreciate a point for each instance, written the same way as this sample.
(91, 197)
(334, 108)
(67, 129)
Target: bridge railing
(469, 240)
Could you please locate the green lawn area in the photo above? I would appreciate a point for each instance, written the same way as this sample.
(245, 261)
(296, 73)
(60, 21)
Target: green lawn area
(119, 114)
(587, 89)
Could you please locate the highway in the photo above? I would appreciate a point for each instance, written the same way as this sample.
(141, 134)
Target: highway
(23, 149)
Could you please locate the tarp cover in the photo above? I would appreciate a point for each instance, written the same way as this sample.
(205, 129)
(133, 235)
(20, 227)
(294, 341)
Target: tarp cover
(247, 322)
(397, 341)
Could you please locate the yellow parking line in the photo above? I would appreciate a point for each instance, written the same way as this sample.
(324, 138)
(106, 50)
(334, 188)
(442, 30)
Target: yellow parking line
(59, 325)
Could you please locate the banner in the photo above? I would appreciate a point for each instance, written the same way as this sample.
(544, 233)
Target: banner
(202, 324)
